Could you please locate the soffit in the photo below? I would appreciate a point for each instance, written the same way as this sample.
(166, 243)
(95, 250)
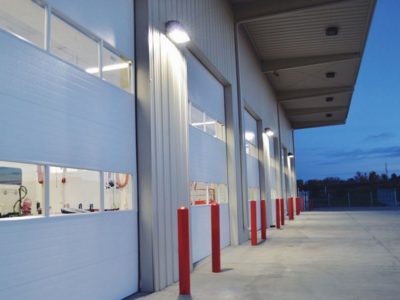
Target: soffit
(289, 38)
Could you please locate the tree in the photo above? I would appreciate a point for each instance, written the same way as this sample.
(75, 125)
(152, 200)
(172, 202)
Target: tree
(360, 177)
(373, 177)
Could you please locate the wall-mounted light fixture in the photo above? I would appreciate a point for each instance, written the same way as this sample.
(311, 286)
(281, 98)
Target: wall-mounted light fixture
(290, 155)
(177, 32)
(268, 131)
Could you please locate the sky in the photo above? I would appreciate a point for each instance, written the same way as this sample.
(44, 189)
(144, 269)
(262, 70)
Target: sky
(371, 137)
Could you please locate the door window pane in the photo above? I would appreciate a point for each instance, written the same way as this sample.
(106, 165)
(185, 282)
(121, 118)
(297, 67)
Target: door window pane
(21, 189)
(73, 46)
(117, 70)
(24, 18)
(117, 191)
(207, 193)
(74, 191)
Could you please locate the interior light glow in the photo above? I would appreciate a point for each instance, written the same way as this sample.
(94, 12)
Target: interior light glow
(54, 170)
(107, 68)
(177, 32)
(249, 135)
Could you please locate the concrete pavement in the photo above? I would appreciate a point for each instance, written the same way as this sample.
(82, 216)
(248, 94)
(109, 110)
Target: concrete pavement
(320, 255)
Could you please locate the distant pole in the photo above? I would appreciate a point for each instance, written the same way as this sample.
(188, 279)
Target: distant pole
(386, 169)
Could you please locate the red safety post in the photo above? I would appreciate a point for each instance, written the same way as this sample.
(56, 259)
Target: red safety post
(184, 251)
(278, 214)
(263, 220)
(282, 210)
(290, 209)
(215, 238)
(253, 226)
(298, 206)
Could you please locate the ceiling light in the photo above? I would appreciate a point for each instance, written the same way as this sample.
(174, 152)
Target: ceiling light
(329, 115)
(329, 99)
(290, 155)
(330, 74)
(177, 32)
(269, 131)
(332, 31)
(107, 68)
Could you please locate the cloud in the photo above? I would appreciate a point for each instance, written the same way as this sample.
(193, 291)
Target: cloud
(338, 156)
(379, 137)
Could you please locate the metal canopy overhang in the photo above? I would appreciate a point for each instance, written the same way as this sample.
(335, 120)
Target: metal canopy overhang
(295, 53)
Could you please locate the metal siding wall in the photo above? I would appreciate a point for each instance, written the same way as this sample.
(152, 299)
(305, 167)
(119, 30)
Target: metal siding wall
(210, 24)
(260, 98)
(169, 138)
(58, 114)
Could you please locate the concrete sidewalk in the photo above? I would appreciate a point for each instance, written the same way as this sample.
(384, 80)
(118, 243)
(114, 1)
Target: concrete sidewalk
(320, 255)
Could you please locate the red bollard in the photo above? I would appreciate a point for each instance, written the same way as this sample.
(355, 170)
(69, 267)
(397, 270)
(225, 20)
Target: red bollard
(184, 251)
(282, 209)
(298, 206)
(215, 239)
(263, 220)
(290, 209)
(278, 214)
(253, 227)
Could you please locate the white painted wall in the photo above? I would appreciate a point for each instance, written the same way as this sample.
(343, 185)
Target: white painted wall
(69, 257)
(200, 229)
(110, 20)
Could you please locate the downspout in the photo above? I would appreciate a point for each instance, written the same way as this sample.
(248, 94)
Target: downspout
(239, 96)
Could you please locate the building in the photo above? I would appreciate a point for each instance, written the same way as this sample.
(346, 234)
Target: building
(108, 126)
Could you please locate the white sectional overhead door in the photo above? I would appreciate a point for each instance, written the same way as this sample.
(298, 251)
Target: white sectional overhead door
(207, 157)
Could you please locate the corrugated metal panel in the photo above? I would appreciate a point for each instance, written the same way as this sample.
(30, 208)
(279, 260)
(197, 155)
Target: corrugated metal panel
(302, 33)
(210, 25)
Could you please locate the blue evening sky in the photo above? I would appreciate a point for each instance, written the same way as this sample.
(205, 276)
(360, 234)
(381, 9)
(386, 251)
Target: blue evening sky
(371, 136)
